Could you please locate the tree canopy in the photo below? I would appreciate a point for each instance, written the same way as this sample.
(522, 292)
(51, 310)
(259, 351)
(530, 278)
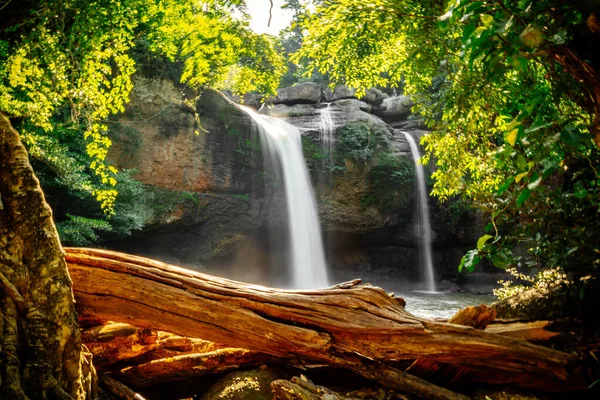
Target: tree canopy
(511, 92)
(66, 65)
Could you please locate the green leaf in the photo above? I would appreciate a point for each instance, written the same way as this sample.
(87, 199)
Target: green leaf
(521, 162)
(580, 191)
(505, 186)
(523, 197)
(482, 240)
(501, 261)
(573, 137)
(469, 261)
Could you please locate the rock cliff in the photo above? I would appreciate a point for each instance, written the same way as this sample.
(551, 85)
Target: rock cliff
(203, 155)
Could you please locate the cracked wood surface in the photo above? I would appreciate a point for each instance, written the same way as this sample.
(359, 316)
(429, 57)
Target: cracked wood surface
(331, 326)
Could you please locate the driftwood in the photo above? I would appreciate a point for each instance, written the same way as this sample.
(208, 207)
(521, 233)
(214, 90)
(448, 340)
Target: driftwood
(360, 328)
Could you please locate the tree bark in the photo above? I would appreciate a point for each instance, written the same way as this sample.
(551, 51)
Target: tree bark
(533, 331)
(188, 366)
(354, 328)
(40, 348)
(476, 317)
(300, 388)
(118, 389)
(117, 345)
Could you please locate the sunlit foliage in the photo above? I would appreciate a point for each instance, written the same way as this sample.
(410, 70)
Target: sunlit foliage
(542, 281)
(66, 65)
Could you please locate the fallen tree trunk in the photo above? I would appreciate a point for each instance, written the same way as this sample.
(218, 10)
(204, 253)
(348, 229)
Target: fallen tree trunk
(188, 366)
(533, 331)
(118, 389)
(333, 326)
(124, 344)
(300, 388)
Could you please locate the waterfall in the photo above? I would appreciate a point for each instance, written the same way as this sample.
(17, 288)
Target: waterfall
(282, 145)
(424, 225)
(327, 130)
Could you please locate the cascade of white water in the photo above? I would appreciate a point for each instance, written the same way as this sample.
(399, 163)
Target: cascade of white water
(281, 142)
(424, 225)
(327, 130)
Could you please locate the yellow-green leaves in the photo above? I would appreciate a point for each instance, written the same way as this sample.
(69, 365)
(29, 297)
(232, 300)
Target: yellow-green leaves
(511, 137)
(532, 36)
(72, 59)
(482, 241)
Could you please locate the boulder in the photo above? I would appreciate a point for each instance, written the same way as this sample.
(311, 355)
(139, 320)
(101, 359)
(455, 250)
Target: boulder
(409, 125)
(245, 385)
(289, 111)
(374, 96)
(233, 97)
(327, 95)
(352, 104)
(394, 109)
(302, 93)
(253, 100)
(343, 92)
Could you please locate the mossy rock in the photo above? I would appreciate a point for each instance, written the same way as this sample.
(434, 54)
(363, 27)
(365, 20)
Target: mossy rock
(245, 385)
(502, 395)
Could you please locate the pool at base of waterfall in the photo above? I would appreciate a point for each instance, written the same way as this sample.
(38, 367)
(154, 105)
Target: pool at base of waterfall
(441, 304)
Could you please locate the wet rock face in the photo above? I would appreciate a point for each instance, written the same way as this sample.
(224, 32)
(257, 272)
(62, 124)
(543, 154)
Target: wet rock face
(226, 215)
(160, 138)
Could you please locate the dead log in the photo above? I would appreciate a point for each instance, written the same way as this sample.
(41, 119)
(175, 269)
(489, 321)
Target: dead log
(401, 381)
(300, 388)
(331, 326)
(119, 343)
(477, 317)
(188, 366)
(118, 389)
(533, 331)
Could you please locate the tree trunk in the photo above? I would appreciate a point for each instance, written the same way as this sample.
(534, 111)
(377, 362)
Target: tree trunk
(359, 328)
(40, 348)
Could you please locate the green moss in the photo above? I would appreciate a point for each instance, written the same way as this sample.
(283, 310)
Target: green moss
(247, 151)
(127, 136)
(163, 201)
(311, 150)
(388, 178)
(242, 196)
(299, 113)
(360, 140)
